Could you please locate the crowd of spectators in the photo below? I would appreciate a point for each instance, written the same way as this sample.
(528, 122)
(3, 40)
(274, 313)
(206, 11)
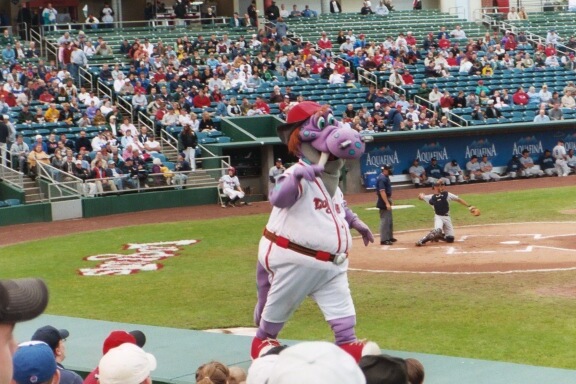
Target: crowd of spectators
(190, 84)
(125, 361)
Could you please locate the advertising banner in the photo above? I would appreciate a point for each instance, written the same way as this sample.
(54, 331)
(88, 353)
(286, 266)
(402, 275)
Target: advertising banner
(499, 149)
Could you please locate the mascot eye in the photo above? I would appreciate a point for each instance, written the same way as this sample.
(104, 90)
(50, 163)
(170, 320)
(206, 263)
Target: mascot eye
(321, 123)
(330, 119)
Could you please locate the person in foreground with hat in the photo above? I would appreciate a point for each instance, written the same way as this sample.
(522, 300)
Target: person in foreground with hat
(20, 300)
(115, 339)
(312, 362)
(304, 249)
(34, 363)
(126, 364)
(55, 339)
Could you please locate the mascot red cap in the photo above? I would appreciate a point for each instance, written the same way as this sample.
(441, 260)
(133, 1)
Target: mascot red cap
(297, 115)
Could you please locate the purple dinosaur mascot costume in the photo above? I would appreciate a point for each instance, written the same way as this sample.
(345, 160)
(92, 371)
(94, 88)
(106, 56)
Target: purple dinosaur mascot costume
(304, 249)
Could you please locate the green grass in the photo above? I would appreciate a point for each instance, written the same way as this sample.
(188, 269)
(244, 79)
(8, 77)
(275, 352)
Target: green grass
(211, 284)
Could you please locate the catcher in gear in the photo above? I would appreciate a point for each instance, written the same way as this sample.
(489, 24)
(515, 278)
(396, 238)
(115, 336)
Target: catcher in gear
(440, 202)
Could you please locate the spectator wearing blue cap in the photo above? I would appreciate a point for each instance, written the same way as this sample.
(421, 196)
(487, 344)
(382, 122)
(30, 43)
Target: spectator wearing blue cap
(55, 339)
(34, 363)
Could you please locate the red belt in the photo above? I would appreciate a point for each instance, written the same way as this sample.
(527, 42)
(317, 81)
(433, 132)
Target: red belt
(283, 242)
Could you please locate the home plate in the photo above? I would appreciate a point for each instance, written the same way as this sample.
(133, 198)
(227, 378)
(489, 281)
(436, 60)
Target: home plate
(511, 242)
(393, 207)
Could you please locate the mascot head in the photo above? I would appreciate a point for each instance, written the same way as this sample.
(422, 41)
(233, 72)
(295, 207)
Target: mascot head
(312, 133)
(314, 124)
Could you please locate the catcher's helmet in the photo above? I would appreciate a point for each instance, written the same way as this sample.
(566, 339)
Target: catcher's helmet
(438, 184)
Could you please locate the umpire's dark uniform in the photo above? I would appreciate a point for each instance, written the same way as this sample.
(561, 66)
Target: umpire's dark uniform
(383, 187)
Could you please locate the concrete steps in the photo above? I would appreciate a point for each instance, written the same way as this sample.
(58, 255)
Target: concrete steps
(32, 193)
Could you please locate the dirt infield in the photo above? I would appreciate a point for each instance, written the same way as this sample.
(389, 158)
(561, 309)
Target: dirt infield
(26, 232)
(478, 249)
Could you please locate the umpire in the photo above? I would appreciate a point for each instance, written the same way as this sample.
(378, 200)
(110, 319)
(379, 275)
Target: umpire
(384, 204)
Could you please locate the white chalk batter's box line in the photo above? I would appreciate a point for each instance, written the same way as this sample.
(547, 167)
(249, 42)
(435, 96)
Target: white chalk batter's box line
(453, 251)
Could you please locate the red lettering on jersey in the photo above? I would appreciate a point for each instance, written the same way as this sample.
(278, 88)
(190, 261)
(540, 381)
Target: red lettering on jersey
(321, 204)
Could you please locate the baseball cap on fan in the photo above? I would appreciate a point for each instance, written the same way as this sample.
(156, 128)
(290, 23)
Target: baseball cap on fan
(316, 363)
(22, 299)
(126, 364)
(34, 362)
(117, 338)
(50, 335)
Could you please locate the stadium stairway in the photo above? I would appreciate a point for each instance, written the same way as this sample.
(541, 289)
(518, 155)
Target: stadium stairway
(32, 192)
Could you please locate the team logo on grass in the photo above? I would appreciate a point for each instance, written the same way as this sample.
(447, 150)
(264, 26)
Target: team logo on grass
(144, 258)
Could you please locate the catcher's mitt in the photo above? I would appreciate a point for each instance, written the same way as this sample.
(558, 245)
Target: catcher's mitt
(473, 210)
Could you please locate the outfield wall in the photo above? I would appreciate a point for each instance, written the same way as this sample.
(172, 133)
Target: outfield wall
(135, 202)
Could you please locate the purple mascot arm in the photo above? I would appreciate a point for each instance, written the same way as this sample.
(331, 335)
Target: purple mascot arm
(359, 225)
(285, 192)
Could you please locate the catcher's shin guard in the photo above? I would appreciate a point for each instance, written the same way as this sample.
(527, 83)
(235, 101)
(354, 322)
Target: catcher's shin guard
(431, 236)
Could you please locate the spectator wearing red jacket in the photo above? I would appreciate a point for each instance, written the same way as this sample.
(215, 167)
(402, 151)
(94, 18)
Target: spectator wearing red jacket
(261, 105)
(325, 45)
(511, 43)
(444, 43)
(407, 77)
(410, 40)
(520, 97)
(446, 102)
(201, 100)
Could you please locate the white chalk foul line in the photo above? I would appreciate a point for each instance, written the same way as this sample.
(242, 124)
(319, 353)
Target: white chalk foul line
(465, 273)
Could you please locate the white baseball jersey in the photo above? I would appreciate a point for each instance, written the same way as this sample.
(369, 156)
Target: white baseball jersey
(559, 152)
(473, 167)
(230, 181)
(452, 169)
(316, 220)
(418, 170)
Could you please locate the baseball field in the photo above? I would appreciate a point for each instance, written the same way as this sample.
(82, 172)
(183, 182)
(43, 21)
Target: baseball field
(519, 316)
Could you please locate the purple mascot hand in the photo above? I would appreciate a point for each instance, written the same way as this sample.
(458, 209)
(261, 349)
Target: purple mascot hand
(363, 229)
(308, 173)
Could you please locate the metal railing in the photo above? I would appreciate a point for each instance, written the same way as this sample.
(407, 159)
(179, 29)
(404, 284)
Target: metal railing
(166, 139)
(86, 76)
(36, 37)
(22, 28)
(11, 176)
(125, 105)
(367, 76)
(83, 26)
(60, 184)
(144, 119)
(105, 90)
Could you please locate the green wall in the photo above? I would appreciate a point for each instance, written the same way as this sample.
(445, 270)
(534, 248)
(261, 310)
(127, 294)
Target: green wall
(26, 213)
(8, 192)
(135, 202)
